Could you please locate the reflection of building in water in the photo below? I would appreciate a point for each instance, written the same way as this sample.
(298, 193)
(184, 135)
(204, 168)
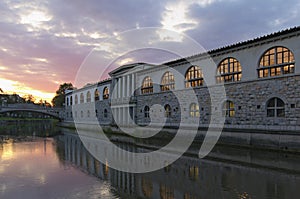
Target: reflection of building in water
(187, 178)
(261, 77)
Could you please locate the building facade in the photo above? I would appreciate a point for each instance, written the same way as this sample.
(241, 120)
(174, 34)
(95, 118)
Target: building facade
(261, 79)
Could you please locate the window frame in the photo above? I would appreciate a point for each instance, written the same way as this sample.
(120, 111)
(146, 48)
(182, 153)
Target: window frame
(228, 110)
(272, 111)
(272, 62)
(81, 98)
(167, 82)
(168, 111)
(147, 85)
(88, 97)
(194, 110)
(229, 70)
(194, 77)
(96, 95)
(105, 93)
(146, 112)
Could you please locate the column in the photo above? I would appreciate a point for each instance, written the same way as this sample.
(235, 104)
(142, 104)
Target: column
(78, 153)
(128, 86)
(73, 151)
(132, 83)
(123, 87)
(119, 87)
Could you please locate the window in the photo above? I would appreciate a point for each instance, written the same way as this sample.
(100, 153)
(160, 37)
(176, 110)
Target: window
(147, 85)
(67, 101)
(81, 98)
(193, 77)
(147, 187)
(97, 95)
(105, 113)
(146, 112)
(76, 99)
(168, 111)
(88, 96)
(228, 109)
(194, 110)
(275, 108)
(193, 172)
(276, 61)
(81, 114)
(167, 82)
(166, 192)
(105, 93)
(88, 113)
(229, 70)
(71, 100)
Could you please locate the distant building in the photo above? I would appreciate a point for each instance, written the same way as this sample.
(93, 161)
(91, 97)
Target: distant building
(261, 79)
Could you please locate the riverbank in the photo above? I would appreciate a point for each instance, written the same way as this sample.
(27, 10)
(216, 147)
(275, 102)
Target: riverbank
(288, 141)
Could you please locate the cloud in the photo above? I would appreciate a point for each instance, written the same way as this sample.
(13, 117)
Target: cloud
(227, 22)
(43, 43)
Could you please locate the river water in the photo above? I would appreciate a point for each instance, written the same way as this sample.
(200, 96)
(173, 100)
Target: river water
(38, 160)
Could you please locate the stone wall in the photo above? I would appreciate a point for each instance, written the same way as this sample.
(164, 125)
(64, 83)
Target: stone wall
(249, 98)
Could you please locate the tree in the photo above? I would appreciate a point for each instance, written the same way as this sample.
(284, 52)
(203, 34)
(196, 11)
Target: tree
(59, 98)
(1, 91)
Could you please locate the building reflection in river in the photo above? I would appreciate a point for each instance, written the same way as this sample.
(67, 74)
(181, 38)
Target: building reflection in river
(187, 178)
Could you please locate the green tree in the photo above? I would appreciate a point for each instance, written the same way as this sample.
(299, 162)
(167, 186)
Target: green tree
(59, 99)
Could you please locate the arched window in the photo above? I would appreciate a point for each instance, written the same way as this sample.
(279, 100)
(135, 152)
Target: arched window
(168, 111)
(146, 112)
(275, 108)
(193, 77)
(229, 70)
(167, 82)
(71, 100)
(88, 96)
(276, 61)
(105, 113)
(97, 95)
(81, 98)
(105, 93)
(228, 109)
(67, 101)
(147, 85)
(76, 99)
(194, 110)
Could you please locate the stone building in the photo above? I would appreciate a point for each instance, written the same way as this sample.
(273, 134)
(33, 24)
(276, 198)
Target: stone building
(260, 79)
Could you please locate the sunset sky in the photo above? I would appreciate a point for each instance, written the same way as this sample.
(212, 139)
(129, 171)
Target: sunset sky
(44, 42)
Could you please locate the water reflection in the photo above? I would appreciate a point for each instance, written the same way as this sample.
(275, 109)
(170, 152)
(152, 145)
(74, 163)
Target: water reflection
(190, 177)
(34, 168)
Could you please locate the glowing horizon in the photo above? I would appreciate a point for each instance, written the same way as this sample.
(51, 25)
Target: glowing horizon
(11, 87)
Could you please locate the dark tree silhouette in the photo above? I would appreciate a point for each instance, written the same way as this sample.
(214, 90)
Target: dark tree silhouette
(59, 99)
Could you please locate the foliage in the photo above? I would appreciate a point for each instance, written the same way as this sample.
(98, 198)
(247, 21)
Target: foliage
(59, 99)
